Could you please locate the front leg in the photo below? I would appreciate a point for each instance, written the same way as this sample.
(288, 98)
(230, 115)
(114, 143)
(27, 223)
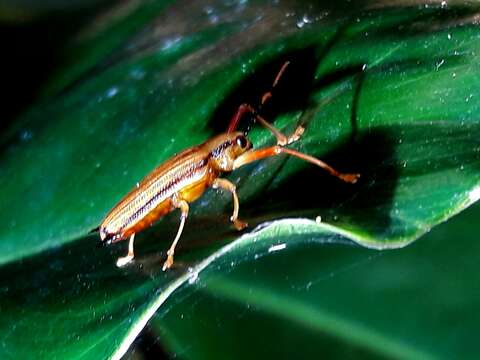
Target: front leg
(227, 185)
(254, 155)
(282, 139)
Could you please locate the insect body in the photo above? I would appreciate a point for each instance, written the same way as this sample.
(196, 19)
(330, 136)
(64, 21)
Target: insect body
(183, 179)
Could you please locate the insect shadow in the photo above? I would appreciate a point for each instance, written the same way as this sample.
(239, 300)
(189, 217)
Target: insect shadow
(311, 191)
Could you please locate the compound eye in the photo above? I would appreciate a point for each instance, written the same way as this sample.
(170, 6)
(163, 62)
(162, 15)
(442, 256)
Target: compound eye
(242, 141)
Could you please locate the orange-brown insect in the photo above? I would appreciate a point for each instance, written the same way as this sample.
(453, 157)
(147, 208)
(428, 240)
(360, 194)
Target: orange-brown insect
(183, 179)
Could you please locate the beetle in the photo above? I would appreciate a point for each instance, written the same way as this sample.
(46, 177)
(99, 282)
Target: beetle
(184, 178)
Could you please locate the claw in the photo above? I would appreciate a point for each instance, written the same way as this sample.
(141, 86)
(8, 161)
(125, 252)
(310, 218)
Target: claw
(350, 178)
(121, 262)
(296, 135)
(168, 263)
(239, 225)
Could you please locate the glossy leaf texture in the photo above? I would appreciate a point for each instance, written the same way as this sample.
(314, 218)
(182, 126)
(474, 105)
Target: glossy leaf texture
(415, 303)
(387, 92)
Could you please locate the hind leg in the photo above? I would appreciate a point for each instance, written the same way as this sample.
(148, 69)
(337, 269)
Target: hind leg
(122, 261)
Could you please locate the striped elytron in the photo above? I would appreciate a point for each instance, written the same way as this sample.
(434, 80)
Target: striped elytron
(183, 179)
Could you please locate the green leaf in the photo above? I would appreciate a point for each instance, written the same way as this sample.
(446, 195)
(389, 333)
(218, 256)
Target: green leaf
(416, 303)
(389, 93)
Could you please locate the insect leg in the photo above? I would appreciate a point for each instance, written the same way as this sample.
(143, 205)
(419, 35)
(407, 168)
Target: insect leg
(183, 206)
(227, 185)
(122, 261)
(254, 155)
(282, 140)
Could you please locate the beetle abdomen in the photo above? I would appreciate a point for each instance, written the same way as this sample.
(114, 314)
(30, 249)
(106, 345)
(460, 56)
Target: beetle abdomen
(138, 209)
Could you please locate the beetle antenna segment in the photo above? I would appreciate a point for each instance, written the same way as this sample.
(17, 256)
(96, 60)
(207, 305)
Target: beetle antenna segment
(244, 108)
(268, 94)
(280, 73)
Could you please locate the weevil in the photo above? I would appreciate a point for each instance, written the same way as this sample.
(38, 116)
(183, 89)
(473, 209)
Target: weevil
(184, 178)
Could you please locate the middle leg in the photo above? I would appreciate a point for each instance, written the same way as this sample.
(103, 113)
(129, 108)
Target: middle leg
(183, 206)
(227, 185)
